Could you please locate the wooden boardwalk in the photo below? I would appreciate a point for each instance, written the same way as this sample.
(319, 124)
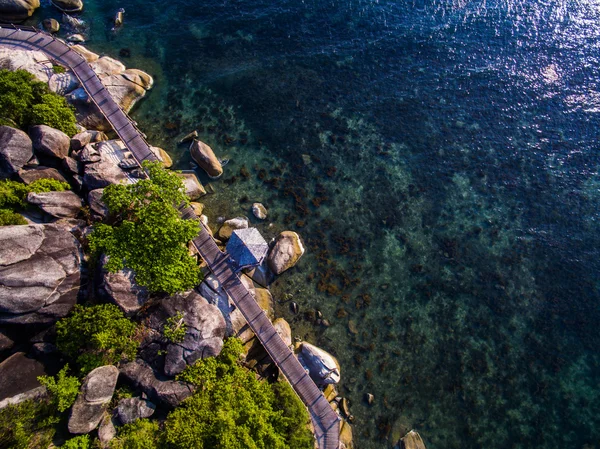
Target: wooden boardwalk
(325, 420)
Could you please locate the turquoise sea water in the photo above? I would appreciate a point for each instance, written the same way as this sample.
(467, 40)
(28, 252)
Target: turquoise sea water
(440, 160)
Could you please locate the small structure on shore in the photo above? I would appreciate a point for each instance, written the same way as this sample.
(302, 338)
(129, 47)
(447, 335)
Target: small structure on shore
(247, 247)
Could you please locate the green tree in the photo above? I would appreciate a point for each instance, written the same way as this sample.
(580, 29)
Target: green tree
(231, 408)
(140, 434)
(148, 235)
(26, 101)
(96, 335)
(62, 390)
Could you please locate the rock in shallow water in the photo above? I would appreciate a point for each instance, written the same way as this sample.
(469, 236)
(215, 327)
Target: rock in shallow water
(231, 225)
(323, 367)
(412, 440)
(259, 211)
(17, 10)
(206, 159)
(285, 253)
(68, 5)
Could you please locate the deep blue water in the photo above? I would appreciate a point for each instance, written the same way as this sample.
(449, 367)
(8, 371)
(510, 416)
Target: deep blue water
(440, 159)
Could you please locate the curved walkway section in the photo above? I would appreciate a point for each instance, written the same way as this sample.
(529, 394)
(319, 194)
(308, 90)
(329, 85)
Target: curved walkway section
(325, 420)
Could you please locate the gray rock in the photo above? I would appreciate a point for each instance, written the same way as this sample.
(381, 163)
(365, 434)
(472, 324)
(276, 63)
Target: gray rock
(70, 165)
(68, 5)
(205, 157)
(102, 174)
(80, 140)
(96, 204)
(5, 342)
(16, 149)
(18, 375)
(168, 392)
(285, 253)
(205, 330)
(63, 83)
(49, 142)
(132, 409)
(51, 25)
(229, 226)
(122, 289)
(94, 395)
(322, 366)
(17, 10)
(193, 188)
(89, 154)
(39, 273)
(58, 204)
(106, 430)
(33, 174)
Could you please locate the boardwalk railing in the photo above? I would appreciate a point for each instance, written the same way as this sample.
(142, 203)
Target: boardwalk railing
(325, 420)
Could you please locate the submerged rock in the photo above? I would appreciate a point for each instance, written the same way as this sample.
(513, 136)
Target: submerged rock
(16, 149)
(206, 159)
(259, 211)
(322, 366)
(94, 395)
(17, 10)
(285, 253)
(51, 25)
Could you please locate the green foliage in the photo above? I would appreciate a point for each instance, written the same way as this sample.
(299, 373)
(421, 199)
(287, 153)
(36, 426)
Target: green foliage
(141, 434)
(13, 196)
(80, 442)
(58, 69)
(96, 335)
(8, 218)
(175, 329)
(232, 409)
(26, 101)
(295, 416)
(28, 425)
(149, 236)
(62, 390)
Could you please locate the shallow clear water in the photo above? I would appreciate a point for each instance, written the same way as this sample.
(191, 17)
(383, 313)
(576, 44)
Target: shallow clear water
(440, 159)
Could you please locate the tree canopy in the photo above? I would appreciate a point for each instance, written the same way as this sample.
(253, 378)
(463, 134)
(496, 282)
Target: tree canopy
(231, 408)
(25, 101)
(148, 234)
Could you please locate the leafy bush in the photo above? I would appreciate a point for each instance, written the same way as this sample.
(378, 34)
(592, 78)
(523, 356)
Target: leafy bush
(174, 329)
(26, 101)
(233, 409)
(141, 434)
(13, 196)
(149, 236)
(58, 69)
(96, 335)
(80, 442)
(28, 425)
(62, 390)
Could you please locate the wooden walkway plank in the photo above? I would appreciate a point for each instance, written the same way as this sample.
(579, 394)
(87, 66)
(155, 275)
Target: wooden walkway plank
(325, 420)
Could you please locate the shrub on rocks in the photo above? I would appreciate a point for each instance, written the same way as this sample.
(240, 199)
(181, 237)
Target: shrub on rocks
(96, 336)
(62, 389)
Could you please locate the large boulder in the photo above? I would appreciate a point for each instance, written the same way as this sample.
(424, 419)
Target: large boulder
(18, 375)
(168, 392)
(162, 156)
(58, 204)
(132, 409)
(68, 5)
(80, 140)
(206, 159)
(17, 10)
(94, 395)
(33, 174)
(63, 83)
(88, 55)
(51, 25)
(97, 206)
(35, 62)
(285, 253)
(323, 367)
(205, 330)
(282, 327)
(231, 225)
(102, 174)
(39, 273)
(15, 150)
(50, 142)
(121, 288)
(106, 65)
